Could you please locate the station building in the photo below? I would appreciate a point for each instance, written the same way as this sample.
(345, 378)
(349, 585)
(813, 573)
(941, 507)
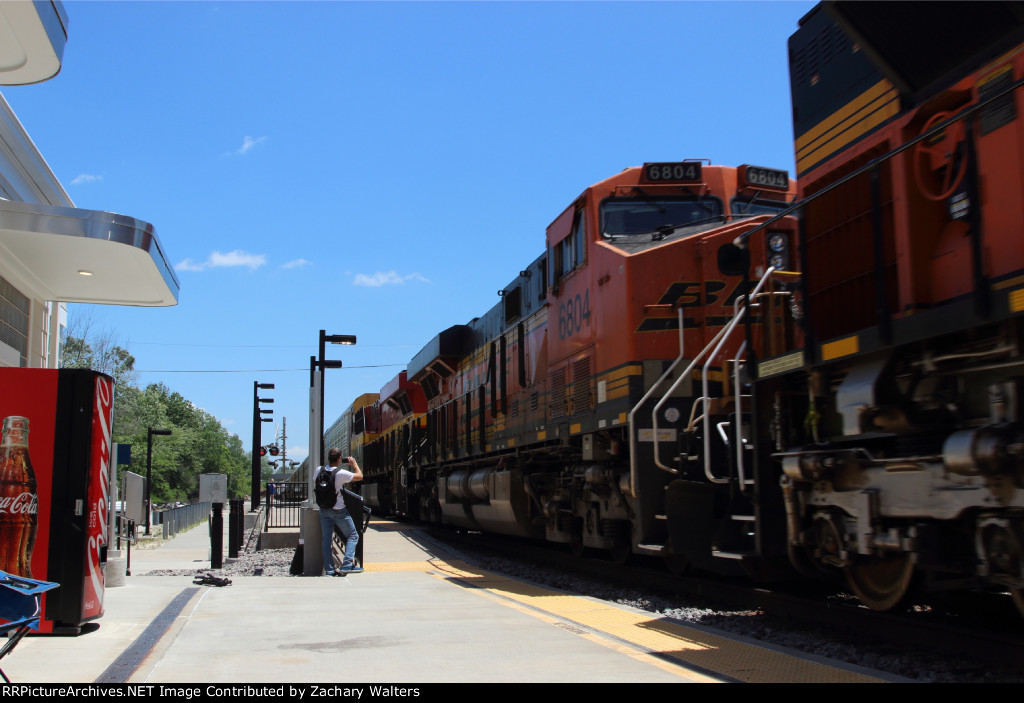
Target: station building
(51, 252)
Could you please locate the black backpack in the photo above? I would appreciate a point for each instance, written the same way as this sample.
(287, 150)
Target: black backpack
(323, 488)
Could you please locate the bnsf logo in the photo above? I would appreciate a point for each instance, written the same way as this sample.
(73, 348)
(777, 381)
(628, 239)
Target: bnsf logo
(688, 294)
(696, 295)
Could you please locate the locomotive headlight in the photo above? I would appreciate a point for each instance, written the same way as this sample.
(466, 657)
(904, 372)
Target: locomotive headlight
(777, 242)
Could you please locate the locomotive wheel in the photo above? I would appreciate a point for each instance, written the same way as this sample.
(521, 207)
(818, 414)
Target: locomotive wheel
(1004, 551)
(881, 583)
(805, 564)
(939, 157)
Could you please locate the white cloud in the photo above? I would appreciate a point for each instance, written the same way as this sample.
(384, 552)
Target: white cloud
(385, 279)
(248, 143)
(237, 258)
(188, 265)
(86, 178)
(218, 260)
(296, 264)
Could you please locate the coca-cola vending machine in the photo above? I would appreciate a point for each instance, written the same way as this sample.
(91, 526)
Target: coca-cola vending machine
(55, 454)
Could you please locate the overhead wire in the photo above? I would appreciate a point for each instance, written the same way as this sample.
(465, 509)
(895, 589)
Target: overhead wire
(306, 369)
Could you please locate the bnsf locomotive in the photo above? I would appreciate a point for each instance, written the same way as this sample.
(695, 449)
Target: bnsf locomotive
(595, 403)
(701, 369)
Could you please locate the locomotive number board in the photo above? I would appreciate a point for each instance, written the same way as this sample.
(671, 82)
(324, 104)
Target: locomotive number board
(673, 172)
(758, 177)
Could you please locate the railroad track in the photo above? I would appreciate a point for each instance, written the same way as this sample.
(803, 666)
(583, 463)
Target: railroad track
(975, 633)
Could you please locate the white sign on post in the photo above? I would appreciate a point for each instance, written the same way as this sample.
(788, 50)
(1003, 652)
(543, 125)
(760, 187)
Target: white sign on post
(213, 488)
(134, 505)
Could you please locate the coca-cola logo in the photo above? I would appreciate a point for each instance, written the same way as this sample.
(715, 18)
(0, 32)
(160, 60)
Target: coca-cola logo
(22, 504)
(99, 495)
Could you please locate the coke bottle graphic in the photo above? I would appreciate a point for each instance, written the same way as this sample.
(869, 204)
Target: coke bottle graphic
(18, 499)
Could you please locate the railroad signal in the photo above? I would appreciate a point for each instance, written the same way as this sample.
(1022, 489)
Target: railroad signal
(274, 450)
(257, 423)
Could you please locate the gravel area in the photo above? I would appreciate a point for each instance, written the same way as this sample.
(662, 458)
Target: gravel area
(269, 562)
(919, 666)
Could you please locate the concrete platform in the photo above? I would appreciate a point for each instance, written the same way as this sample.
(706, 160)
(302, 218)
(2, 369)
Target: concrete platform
(417, 615)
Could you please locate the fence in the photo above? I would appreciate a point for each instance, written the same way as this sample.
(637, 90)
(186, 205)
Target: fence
(284, 505)
(124, 529)
(177, 519)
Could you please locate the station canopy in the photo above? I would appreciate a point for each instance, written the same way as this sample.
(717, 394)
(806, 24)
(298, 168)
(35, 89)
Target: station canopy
(85, 256)
(32, 39)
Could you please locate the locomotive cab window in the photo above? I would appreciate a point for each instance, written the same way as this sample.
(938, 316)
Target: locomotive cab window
(513, 303)
(570, 252)
(749, 207)
(629, 217)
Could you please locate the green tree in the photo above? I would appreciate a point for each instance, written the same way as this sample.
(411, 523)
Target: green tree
(85, 348)
(198, 443)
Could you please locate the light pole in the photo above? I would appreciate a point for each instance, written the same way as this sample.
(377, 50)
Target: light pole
(149, 470)
(311, 533)
(321, 363)
(257, 420)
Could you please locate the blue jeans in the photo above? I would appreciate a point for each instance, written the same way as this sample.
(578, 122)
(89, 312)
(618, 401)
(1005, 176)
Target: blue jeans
(329, 519)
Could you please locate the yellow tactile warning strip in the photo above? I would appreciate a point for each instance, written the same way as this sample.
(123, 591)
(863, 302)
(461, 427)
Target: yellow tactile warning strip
(658, 638)
(386, 526)
(400, 566)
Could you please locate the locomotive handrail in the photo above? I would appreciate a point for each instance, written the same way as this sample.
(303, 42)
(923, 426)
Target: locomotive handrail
(740, 442)
(739, 313)
(874, 163)
(672, 388)
(717, 341)
(647, 396)
(654, 413)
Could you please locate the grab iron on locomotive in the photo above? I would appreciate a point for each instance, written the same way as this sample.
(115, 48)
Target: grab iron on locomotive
(702, 367)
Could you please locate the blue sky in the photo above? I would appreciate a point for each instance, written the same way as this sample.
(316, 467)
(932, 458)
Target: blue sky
(375, 168)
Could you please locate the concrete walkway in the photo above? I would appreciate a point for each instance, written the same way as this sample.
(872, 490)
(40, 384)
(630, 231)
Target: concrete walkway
(418, 615)
(400, 621)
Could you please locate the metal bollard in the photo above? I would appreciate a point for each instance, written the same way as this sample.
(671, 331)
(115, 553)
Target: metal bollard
(234, 534)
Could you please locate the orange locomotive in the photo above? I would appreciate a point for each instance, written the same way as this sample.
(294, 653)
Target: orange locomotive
(901, 440)
(695, 369)
(594, 404)
(398, 412)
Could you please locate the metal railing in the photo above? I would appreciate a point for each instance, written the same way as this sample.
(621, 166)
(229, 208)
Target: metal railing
(124, 529)
(175, 520)
(284, 505)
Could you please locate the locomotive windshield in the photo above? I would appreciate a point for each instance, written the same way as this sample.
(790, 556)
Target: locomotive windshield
(637, 216)
(746, 207)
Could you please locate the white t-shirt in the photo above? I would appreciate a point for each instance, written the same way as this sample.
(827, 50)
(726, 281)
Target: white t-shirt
(342, 477)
